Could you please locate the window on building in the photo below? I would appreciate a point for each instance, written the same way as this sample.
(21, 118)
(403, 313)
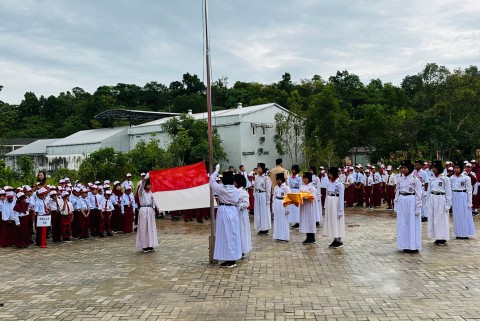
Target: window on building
(253, 131)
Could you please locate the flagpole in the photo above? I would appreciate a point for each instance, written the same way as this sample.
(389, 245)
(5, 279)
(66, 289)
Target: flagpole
(210, 135)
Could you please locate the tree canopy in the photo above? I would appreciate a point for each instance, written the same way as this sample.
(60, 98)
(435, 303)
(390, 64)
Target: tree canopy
(432, 114)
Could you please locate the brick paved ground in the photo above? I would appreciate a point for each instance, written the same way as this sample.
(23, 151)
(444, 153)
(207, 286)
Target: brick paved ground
(108, 279)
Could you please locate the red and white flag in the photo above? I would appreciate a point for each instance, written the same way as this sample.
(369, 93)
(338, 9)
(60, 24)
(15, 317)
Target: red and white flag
(181, 188)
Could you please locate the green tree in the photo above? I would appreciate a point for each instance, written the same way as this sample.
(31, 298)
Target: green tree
(26, 169)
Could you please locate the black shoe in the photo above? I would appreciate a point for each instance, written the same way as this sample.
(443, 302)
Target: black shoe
(424, 219)
(145, 250)
(231, 264)
(462, 237)
(437, 242)
(332, 244)
(306, 242)
(295, 226)
(224, 264)
(317, 224)
(337, 245)
(243, 256)
(109, 234)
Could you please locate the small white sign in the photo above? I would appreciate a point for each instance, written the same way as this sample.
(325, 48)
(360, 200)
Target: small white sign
(44, 220)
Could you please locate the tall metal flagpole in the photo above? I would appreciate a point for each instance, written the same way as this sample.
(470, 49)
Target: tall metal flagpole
(210, 135)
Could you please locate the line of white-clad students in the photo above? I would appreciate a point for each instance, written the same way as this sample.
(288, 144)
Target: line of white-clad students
(233, 235)
(76, 211)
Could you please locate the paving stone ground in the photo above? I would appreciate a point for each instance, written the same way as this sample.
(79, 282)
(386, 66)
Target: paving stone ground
(108, 279)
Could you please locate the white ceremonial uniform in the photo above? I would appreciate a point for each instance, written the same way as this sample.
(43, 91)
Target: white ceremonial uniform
(147, 235)
(308, 211)
(334, 210)
(228, 243)
(294, 183)
(462, 206)
(439, 201)
(244, 220)
(408, 205)
(281, 228)
(422, 175)
(262, 217)
(318, 197)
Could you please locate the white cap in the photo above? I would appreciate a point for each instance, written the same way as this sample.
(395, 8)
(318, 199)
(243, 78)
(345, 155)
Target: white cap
(450, 168)
(108, 192)
(143, 174)
(28, 188)
(67, 180)
(76, 189)
(93, 186)
(468, 165)
(382, 166)
(61, 181)
(89, 184)
(389, 167)
(251, 174)
(20, 194)
(116, 182)
(65, 194)
(367, 171)
(53, 193)
(84, 190)
(41, 191)
(129, 175)
(2, 192)
(106, 182)
(128, 188)
(10, 194)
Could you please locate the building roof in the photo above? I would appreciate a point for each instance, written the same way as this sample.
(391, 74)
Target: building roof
(90, 136)
(220, 113)
(37, 147)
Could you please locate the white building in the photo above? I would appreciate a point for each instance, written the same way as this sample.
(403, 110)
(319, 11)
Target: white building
(36, 150)
(70, 151)
(247, 133)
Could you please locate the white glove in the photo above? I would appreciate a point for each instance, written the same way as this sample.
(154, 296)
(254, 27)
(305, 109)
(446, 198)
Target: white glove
(340, 214)
(447, 208)
(217, 168)
(470, 205)
(417, 213)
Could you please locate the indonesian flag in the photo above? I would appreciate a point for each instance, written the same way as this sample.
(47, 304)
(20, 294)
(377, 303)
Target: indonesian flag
(181, 188)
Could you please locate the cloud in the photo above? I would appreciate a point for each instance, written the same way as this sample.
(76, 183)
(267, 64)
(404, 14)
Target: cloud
(52, 46)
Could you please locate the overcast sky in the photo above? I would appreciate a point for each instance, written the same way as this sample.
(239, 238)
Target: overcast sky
(52, 46)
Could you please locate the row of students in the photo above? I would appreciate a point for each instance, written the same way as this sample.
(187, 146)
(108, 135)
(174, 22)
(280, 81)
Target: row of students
(446, 191)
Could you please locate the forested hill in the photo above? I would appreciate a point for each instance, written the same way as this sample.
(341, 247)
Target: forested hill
(434, 113)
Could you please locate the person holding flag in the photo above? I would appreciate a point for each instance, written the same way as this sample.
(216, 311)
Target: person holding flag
(228, 246)
(147, 238)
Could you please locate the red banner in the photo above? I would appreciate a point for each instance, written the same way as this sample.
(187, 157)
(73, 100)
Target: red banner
(178, 178)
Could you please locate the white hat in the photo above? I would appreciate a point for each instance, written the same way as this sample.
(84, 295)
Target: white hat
(42, 191)
(367, 171)
(68, 189)
(76, 189)
(89, 184)
(106, 182)
(106, 186)
(62, 181)
(2, 192)
(100, 188)
(143, 174)
(450, 168)
(109, 192)
(8, 188)
(28, 188)
(10, 194)
(115, 183)
(84, 190)
(128, 175)
(382, 166)
(389, 167)
(468, 165)
(65, 194)
(67, 180)
(53, 193)
(20, 194)
(251, 174)
(128, 187)
(93, 186)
